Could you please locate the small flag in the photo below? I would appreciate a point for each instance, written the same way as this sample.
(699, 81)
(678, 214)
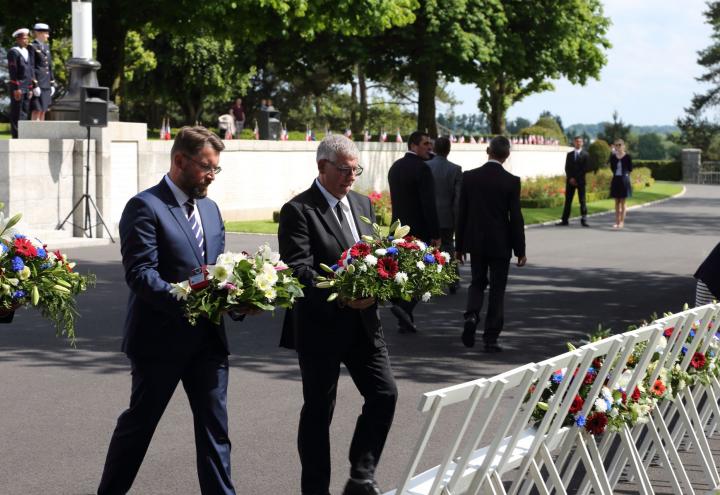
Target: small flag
(256, 131)
(398, 137)
(348, 133)
(383, 137)
(162, 130)
(472, 140)
(366, 136)
(167, 129)
(308, 133)
(284, 134)
(228, 133)
(453, 139)
(462, 139)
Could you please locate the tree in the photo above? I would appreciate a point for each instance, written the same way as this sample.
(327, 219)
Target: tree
(598, 154)
(710, 59)
(615, 130)
(534, 43)
(514, 126)
(651, 146)
(546, 126)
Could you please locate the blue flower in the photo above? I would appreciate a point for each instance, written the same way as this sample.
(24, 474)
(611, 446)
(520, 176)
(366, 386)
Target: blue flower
(334, 268)
(390, 237)
(19, 236)
(349, 259)
(579, 420)
(45, 266)
(392, 251)
(711, 354)
(591, 370)
(17, 263)
(429, 258)
(684, 350)
(41, 253)
(18, 294)
(556, 377)
(3, 247)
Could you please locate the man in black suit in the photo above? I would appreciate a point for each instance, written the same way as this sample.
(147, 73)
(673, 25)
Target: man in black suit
(412, 193)
(21, 62)
(166, 232)
(316, 226)
(576, 164)
(490, 227)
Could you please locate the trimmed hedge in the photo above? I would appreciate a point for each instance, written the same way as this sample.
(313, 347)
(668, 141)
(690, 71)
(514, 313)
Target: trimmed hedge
(662, 169)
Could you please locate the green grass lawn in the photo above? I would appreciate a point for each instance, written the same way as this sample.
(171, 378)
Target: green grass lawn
(657, 191)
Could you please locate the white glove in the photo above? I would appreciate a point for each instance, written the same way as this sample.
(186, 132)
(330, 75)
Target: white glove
(37, 91)
(52, 90)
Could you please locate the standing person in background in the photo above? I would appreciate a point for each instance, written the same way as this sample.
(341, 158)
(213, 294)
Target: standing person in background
(238, 112)
(448, 181)
(490, 228)
(21, 70)
(412, 193)
(620, 188)
(576, 163)
(45, 80)
(707, 288)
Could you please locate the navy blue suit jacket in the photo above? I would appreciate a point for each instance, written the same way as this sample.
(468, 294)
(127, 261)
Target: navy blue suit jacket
(21, 72)
(158, 247)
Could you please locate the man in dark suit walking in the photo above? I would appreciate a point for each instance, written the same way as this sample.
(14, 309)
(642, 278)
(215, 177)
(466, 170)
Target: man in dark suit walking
(490, 228)
(412, 193)
(316, 227)
(448, 181)
(576, 165)
(166, 232)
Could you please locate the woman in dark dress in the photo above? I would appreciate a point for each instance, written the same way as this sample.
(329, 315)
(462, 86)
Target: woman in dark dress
(621, 165)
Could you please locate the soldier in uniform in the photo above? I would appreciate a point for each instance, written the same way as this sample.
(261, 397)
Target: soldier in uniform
(44, 78)
(21, 69)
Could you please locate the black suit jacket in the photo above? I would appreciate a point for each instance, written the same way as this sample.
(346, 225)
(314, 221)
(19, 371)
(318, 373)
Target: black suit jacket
(490, 222)
(412, 192)
(576, 169)
(709, 271)
(309, 234)
(158, 247)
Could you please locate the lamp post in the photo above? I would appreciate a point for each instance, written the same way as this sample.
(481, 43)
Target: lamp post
(82, 67)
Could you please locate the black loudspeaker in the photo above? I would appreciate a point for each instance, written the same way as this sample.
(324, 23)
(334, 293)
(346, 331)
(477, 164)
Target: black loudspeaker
(94, 106)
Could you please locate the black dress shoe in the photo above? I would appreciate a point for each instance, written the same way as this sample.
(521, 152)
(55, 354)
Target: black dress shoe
(584, 223)
(405, 323)
(562, 223)
(362, 487)
(468, 335)
(492, 347)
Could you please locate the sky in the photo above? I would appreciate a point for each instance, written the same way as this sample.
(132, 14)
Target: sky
(650, 73)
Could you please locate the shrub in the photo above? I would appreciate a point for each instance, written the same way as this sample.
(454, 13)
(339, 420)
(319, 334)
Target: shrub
(276, 216)
(662, 169)
(547, 127)
(599, 152)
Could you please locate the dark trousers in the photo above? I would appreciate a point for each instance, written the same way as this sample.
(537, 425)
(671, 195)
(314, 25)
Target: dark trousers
(370, 370)
(493, 271)
(204, 377)
(569, 194)
(19, 110)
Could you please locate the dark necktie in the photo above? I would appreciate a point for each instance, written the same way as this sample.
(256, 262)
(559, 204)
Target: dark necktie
(344, 225)
(195, 224)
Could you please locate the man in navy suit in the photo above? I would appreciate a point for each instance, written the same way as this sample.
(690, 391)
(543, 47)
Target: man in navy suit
(166, 232)
(490, 228)
(22, 74)
(316, 226)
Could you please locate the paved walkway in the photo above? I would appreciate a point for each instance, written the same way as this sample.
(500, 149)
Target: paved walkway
(59, 405)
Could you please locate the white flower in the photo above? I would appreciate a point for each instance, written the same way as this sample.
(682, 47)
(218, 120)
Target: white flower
(362, 267)
(446, 255)
(24, 274)
(624, 379)
(227, 259)
(439, 267)
(398, 241)
(270, 272)
(662, 344)
(600, 405)
(220, 273)
(370, 260)
(421, 244)
(181, 290)
(605, 392)
(613, 412)
(401, 278)
(425, 297)
(270, 294)
(380, 252)
(420, 265)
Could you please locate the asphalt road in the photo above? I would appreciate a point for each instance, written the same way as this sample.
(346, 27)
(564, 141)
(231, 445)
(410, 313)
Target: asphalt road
(59, 405)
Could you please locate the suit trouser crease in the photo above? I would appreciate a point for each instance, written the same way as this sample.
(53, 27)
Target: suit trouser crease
(204, 378)
(19, 110)
(569, 194)
(370, 371)
(492, 271)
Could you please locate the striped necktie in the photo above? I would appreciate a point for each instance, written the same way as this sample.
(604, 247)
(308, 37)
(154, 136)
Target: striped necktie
(195, 224)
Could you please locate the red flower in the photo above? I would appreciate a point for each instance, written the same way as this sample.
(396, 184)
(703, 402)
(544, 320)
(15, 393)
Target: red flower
(360, 250)
(387, 267)
(58, 254)
(439, 257)
(636, 394)
(577, 404)
(24, 247)
(698, 360)
(596, 423)
(597, 363)
(668, 331)
(375, 197)
(658, 388)
(590, 377)
(623, 396)
(409, 238)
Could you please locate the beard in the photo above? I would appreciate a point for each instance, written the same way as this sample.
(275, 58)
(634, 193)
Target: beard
(198, 191)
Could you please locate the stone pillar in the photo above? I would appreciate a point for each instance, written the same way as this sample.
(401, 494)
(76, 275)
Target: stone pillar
(691, 159)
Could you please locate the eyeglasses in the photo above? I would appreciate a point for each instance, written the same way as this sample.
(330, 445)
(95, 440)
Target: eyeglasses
(356, 171)
(207, 169)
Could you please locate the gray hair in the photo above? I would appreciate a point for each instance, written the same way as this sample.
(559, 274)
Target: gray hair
(336, 144)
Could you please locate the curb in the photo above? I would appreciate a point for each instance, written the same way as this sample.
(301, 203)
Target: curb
(600, 213)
